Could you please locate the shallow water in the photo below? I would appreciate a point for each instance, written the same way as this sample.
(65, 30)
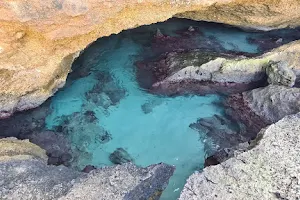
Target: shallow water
(102, 108)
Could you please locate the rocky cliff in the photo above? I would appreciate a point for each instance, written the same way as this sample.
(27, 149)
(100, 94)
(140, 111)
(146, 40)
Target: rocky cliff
(40, 39)
(24, 174)
(269, 170)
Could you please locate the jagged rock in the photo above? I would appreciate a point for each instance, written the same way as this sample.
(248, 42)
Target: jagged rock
(57, 147)
(24, 174)
(53, 32)
(120, 156)
(12, 148)
(263, 106)
(88, 168)
(280, 74)
(270, 170)
(202, 72)
(219, 133)
(34, 179)
(272, 103)
(123, 182)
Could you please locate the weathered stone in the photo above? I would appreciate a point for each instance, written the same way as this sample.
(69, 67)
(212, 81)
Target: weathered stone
(220, 133)
(272, 103)
(40, 39)
(122, 182)
(120, 156)
(57, 146)
(263, 106)
(270, 170)
(34, 179)
(202, 72)
(12, 148)
(280, 74)
(24, 174)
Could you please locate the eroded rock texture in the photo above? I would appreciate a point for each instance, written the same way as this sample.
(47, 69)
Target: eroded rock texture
(24, 174)
(268, 171)
(40, 39)
(263, 106)
(202, 72)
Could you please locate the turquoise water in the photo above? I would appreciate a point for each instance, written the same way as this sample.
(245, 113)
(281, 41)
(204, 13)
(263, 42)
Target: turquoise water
(102, 107)
(162, 135)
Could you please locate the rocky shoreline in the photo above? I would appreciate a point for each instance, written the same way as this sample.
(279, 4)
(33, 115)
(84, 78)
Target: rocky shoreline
(25, 174)
(256, 150)
(269, 169)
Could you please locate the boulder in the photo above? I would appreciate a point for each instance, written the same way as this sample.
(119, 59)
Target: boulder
(24, 174)
(280, 74)
(269, 170)
(263, 106)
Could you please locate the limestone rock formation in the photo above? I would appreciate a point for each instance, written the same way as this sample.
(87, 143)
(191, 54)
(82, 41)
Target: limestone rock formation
(12, 148)
(203, 72)
(122, 182)
(280, 74)
(263, 106)
(40, 39)
(24, 174)
(270, 170)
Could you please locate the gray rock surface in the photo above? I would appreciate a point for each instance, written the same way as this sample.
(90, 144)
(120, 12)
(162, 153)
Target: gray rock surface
(261, 107)
(34, 179)
(270, 170)
(273, 102)
(280, 74)
(122, 182)
(31, 178)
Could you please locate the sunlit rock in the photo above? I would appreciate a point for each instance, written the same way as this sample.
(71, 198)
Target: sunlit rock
(280, 74)
(42, 38)
(268, 170)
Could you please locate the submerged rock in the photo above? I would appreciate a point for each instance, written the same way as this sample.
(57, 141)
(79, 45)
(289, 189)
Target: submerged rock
(57, 146)
(270, 170)
(219, 133)
(88, 168)
(150, 105)
(106, 92)
(280, 74)
(120, 156)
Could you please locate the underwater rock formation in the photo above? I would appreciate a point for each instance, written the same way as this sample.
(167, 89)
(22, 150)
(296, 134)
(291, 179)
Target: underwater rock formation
(106, 92)
(57, 147)
(24, 174)
(268, 170)
(263, 106)
(120, 156)
(40, 39)
(202, 72)
(219, 133)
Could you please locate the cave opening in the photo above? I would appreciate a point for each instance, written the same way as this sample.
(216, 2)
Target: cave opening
(122, 103)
